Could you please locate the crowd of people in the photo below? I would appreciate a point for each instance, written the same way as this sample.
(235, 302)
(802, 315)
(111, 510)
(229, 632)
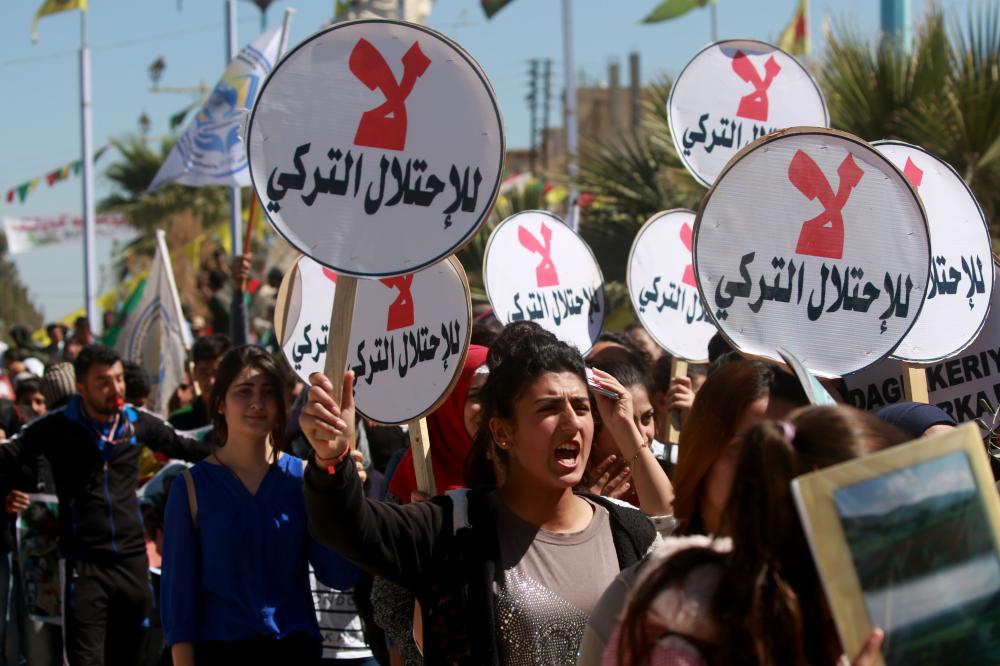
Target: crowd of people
(263, 521)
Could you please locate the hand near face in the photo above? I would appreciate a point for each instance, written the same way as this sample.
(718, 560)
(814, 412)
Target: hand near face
(609, 478)
(616, 415)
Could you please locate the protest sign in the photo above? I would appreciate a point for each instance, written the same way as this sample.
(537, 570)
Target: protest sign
(407, 343)
(811, 240)
(732, 93)
(538, 269)
(27, 233)
(376, 147)
(662, 287)
(957, 385)
(38, 555)
(958, 296)
(908, 540)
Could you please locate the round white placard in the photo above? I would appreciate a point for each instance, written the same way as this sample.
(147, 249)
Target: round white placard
(376, 147)
(811, 240)
(732, 93)
(409, 335)
(958, 385)
(662, 287)
(961, 282)
(538, 269)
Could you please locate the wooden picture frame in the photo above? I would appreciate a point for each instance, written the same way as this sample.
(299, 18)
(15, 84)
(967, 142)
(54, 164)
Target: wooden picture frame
(940, 522)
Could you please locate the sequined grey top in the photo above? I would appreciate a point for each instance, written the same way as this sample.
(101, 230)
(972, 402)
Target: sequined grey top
(547, 585)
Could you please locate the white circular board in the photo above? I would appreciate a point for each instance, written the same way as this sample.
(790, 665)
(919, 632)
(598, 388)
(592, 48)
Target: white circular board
(957, 385)
(961, 282)
(811, 240)
(662, 287)
(376, 147)
(538, 269)
(732, 93)
(409, 334)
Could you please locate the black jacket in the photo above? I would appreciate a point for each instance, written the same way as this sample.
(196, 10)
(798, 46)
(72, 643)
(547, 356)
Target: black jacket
(450, 568)
(98, 508)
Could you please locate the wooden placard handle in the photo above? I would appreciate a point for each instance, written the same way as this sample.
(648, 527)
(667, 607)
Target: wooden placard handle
(339, 335)
(678, 368)
(420, 447)
(915, 383)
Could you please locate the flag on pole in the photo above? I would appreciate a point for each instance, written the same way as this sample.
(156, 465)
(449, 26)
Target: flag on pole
(54, 7)
(211, 152)
(795, 38)
(671, 9)
(491, 7)
(153, 333)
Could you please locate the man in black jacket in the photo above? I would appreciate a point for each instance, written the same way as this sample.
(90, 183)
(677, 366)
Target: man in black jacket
(92, 445)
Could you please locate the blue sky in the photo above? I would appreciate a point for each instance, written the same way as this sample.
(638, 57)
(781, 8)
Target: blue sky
(41, 128)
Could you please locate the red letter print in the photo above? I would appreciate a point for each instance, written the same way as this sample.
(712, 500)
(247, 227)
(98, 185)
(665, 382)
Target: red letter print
(754, 105)
(385, 125)
(687, 238)
(330, 275)
(401, 309)
(913, 173)
(545, 272)
(823, 236)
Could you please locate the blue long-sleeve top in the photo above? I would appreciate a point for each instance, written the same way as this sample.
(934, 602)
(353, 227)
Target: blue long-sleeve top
(243, 571)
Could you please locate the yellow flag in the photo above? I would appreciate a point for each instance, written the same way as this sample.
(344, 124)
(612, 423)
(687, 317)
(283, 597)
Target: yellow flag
(54, 7)
(795, 38)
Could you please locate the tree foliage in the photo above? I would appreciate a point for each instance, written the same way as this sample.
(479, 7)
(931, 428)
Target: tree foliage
(15, 305)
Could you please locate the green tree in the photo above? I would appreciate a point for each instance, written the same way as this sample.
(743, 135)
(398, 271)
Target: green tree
(943, 94)
(15, 305)
(631, 180)
(196, 207)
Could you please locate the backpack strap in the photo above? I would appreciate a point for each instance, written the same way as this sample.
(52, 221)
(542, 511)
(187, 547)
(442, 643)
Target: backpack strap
(192, 496)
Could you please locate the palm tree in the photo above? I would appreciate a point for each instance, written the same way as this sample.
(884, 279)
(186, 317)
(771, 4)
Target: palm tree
(631, 180)
(944, 94)
(182, 211)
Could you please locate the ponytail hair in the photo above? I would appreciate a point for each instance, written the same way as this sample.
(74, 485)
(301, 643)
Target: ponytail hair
(771, 581)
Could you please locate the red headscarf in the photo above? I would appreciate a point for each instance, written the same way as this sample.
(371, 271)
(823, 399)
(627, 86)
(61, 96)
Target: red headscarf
(450, 443)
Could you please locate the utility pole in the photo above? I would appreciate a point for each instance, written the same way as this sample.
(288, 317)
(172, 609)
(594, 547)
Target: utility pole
(532, 98)
(546, 98)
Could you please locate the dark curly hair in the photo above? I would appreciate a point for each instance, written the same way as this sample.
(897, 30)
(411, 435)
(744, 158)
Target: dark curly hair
(518, 357)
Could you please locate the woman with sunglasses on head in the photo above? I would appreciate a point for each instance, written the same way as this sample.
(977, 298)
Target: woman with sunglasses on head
(236, 551)
(504, 575)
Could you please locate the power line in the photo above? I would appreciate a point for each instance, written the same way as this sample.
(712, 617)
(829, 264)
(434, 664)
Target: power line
(117, 45)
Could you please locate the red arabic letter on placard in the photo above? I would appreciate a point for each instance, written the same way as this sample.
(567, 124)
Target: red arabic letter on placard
(545, 272)
(687, 237)
(913, 173)
(385, 125)
(330, 275)
(754, 105)
(823, 235)
(401, 309)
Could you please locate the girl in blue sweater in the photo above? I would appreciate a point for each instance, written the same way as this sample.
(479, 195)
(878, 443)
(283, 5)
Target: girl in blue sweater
(236, 549)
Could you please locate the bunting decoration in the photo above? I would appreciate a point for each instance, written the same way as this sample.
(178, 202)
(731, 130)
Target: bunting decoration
(20, 192)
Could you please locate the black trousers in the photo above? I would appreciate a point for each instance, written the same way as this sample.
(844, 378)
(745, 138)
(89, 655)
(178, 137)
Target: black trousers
(106, 610)
(294, 650)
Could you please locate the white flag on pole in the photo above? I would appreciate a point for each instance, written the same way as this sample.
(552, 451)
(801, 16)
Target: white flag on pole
(153, 334)
(211, 152)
